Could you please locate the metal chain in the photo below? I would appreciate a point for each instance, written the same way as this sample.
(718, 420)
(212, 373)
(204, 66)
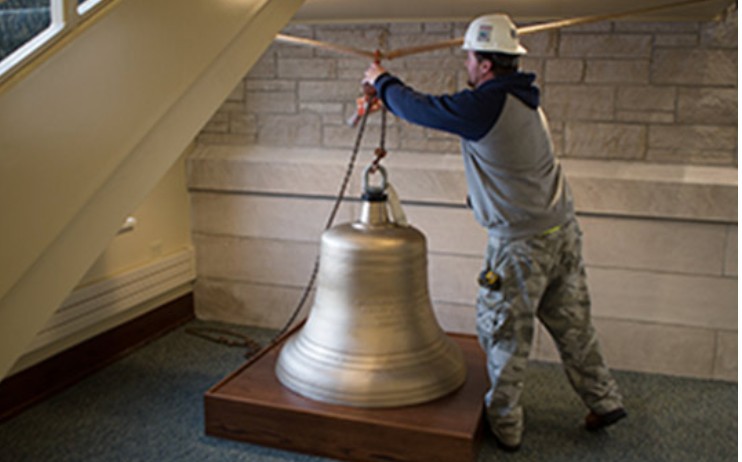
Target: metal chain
(330, 221)
(226, 337)
(253, 347)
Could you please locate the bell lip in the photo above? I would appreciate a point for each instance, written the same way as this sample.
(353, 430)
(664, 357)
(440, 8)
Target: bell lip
(356, 393)
(360, 400)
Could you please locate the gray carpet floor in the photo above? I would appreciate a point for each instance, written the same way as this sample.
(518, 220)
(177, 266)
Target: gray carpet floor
(149, 407)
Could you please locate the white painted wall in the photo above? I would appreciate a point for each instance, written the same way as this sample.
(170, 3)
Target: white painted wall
(93, 125)
(162, 228)
(100, 301)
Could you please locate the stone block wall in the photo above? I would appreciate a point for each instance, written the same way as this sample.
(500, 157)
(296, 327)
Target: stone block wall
(660, 246)
(649, 92)
(644, 120)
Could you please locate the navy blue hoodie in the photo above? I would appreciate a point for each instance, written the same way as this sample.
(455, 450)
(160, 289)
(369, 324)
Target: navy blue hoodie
(469, 113)
(516, 187)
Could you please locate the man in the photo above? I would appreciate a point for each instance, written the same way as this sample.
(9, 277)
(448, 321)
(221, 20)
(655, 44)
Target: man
(518, 192)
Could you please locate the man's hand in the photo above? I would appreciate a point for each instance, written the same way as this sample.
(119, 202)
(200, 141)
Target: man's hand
(372, 73)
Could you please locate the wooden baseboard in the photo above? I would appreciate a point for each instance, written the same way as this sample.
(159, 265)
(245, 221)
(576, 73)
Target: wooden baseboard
(32, 385)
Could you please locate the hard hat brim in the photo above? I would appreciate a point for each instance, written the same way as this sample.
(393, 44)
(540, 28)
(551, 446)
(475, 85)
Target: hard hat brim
(520, 51)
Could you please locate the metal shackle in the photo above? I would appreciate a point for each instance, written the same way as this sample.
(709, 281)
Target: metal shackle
(374, 191)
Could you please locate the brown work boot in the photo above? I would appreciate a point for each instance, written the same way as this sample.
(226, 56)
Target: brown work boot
(594, 422)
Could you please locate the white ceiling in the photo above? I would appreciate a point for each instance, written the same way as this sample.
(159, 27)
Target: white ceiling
(522, 11)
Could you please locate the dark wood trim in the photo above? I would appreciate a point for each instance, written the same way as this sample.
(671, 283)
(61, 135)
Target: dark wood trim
(42, 380)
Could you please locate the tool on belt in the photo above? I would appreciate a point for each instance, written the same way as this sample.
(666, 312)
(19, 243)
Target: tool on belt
(489, 280)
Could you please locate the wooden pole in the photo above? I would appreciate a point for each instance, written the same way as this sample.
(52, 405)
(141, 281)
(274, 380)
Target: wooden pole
(399, 53)
(423, 48)
(602, 17)
(325, 46)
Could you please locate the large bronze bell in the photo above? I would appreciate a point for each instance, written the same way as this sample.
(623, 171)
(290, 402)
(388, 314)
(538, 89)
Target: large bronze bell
(371, 338)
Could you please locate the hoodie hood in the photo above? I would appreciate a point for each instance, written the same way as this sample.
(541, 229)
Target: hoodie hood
(520, 85)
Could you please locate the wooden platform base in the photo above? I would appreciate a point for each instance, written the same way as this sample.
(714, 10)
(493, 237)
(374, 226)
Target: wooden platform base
(251, 405)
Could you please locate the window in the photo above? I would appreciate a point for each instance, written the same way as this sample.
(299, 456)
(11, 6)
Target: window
(20, 22)
(27, 27)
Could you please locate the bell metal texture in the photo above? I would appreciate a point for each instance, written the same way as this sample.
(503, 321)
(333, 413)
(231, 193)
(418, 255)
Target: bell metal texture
(371, 338)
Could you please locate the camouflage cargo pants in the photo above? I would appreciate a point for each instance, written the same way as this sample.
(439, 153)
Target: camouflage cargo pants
(541, 276)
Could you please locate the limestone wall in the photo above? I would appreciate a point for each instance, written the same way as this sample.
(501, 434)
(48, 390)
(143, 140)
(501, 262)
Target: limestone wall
(663, 280)
(644, 119)
(654, 92)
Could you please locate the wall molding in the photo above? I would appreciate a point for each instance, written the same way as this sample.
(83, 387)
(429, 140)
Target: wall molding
(40, 381)
(600, 187)
(95, 302)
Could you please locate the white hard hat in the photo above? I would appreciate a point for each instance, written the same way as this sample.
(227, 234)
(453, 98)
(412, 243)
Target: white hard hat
(493, 33)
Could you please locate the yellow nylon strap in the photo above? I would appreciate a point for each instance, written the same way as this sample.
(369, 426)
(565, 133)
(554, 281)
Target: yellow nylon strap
(551, 230)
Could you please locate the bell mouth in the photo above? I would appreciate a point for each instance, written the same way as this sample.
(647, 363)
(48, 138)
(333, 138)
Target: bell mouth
(367, 381)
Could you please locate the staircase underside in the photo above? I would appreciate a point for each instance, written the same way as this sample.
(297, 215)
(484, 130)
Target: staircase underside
(89, 128)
